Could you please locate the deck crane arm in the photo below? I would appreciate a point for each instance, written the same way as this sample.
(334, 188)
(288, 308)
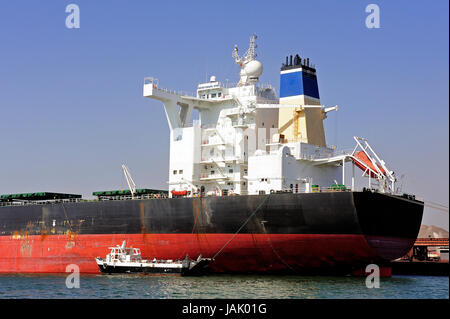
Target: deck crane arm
(130, 182)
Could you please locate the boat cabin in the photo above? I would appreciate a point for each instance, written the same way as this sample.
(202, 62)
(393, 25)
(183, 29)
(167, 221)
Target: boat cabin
(124, 254)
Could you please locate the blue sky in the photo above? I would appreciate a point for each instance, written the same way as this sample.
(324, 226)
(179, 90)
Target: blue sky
(71, 105)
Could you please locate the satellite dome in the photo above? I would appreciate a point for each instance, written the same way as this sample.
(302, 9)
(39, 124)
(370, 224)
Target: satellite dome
(253, 69)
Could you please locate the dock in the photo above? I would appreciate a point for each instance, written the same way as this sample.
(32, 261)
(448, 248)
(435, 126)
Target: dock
(420, 268)
(428, 257)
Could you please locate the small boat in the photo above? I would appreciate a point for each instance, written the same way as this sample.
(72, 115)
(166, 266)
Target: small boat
(124, 259)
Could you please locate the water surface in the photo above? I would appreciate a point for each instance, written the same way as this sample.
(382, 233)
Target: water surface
(221, 286)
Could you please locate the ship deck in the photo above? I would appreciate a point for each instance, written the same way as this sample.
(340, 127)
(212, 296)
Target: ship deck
(151, 196)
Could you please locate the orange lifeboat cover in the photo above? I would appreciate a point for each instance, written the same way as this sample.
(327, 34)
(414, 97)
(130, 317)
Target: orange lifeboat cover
(362, 156)
(179, 193)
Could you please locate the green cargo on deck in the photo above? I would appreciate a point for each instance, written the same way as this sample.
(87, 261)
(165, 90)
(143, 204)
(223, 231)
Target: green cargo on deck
(37, 196)
(126, 192)
(338, 187)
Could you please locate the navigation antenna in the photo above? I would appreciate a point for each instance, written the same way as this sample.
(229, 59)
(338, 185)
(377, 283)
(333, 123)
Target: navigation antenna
(249, 55)
(130, 182)
(251, 69)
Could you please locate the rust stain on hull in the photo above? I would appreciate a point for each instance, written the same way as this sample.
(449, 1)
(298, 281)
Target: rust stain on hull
(148, 244)
(141, 217)
(199, 224)
(71, 237)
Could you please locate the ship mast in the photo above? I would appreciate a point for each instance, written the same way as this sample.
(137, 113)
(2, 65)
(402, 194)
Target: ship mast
(251, 68)
(249, 55)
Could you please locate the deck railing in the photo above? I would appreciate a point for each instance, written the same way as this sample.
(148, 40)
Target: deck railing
(81, 200)
(157, 196)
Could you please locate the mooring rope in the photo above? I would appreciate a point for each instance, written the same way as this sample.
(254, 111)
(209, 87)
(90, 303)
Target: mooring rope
(278, 256)
(242, 226)
(435, 205)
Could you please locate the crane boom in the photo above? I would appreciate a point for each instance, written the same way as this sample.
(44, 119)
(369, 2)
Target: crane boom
(130, 182)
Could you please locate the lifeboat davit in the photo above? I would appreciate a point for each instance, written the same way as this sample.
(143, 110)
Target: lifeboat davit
(367, 163)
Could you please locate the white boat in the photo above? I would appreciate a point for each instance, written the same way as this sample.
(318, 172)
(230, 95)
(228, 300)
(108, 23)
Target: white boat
(124, 259)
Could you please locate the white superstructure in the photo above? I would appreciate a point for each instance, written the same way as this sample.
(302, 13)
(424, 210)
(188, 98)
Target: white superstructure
(248, 141)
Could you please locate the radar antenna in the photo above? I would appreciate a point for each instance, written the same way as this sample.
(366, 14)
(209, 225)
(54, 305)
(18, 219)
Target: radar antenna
(251, 69)
(250, 55)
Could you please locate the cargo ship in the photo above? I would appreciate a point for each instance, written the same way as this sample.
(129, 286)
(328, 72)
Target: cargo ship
(252, 183)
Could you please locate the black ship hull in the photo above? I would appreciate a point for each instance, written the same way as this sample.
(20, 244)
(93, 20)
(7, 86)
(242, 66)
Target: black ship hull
(315, 232)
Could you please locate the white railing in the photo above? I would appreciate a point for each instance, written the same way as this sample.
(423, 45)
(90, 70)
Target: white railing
(267, 101)
(213, 177)
(154, 82)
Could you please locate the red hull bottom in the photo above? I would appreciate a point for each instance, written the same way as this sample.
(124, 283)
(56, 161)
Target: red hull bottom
(245, 253)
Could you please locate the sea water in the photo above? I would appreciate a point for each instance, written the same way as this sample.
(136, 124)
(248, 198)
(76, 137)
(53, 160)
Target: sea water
(220, 287)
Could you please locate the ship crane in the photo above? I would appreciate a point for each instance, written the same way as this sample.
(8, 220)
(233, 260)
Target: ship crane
(130, 182)
(374, 167)
(328, 109)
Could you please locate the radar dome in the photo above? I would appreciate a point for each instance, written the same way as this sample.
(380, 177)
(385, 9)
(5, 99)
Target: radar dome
(253, 69)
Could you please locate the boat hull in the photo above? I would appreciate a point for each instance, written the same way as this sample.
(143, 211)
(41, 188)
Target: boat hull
(292, 233)
(140, 270)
